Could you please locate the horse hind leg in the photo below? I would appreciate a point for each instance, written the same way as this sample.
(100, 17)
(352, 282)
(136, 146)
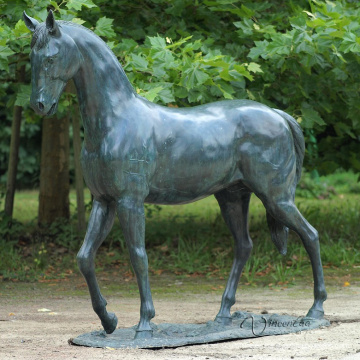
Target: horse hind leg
(100, 224)
(283, 209)
(234, 207)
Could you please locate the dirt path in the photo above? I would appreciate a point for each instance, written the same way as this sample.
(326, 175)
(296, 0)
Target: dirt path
(27, 333)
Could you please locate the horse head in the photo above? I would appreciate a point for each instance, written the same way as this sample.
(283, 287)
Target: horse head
(55, 59)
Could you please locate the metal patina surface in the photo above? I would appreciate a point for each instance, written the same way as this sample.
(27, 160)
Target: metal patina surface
(135, 152)
(244, 326)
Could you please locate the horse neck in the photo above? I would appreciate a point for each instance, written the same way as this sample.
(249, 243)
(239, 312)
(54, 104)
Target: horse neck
(102, 86)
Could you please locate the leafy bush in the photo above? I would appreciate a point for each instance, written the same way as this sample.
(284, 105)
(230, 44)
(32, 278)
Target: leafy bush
(300, 56)
(311, 186)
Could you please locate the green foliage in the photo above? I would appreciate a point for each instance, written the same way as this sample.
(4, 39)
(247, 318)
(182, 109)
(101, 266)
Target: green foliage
(313, 186)
(193, 239)
(305, 55)
(184, 71)
(104, 27)
(300, 56)
(14, 53)
(315, 62)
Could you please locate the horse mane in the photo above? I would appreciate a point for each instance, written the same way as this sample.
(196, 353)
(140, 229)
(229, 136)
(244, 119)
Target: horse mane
(40, 37)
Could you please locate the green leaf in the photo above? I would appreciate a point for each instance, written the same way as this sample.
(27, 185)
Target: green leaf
(5, 51)
(104, 27)
(310, 116)
(192, 46)
(77, 4)
(242, 71)
(166, 96)
(220, 2)
(126, 45)
(255, 68)
(139, 62)
(20, 29)
(177, 44)
(224, 92)
(180, 92)
(227, 6)
(23, 95)
(316, 23)
(258, 50)
(4, 64)
(77, 21)
(340, 74)
(225, 74)
(350, 43)
(298, 22)
(215, 62)
(281, 45)
(193, 77)
(152, 93)
(246, 26)
(159, 71)
(157, 42)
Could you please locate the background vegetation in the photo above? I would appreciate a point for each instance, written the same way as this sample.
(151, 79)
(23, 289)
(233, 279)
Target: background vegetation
(299, 56)
(192, 240)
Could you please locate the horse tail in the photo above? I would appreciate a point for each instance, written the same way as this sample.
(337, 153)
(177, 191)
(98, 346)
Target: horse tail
(299, 142)
(279, 232)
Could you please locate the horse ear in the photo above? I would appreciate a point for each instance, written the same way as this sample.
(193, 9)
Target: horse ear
(30, 23)
(51, 24)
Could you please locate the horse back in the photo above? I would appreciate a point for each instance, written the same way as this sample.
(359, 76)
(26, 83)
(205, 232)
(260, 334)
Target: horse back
(204, 149)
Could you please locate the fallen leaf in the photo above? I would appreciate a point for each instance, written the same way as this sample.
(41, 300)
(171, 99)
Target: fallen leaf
(11, 314)
(158, 272)
(346, 283)
(43, 310)
(53, 313)
(109, 348)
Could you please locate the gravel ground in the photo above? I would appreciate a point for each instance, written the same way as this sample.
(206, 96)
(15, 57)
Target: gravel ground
(27, 333)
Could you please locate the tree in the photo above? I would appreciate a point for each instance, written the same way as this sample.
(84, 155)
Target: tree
(14, 150)
(54, 176)
(299, 56)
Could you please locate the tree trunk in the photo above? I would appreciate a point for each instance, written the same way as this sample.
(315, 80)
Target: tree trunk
(79, 181)
(54, 172)
(14, 151)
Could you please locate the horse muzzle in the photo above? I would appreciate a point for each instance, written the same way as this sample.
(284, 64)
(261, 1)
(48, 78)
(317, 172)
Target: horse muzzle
(43, 109)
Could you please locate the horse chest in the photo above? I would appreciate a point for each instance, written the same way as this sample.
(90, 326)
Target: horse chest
(110, 174)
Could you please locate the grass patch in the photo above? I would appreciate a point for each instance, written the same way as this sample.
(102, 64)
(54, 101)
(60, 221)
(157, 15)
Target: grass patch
(188, 240)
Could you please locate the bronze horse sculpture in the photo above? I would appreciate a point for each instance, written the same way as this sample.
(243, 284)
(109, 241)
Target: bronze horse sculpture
(137, 152)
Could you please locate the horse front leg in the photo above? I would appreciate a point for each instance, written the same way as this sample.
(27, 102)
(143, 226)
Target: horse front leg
(100, 224)
(132, 218)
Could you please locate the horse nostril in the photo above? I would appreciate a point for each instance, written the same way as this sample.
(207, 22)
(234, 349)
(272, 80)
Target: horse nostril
(40, 106)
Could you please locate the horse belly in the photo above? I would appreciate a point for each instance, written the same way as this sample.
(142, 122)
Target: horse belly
(191, 179)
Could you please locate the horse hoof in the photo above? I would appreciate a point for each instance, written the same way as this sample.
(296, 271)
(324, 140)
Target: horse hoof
(110, 325)
(315, 314)
(144, 334)
(223, 320)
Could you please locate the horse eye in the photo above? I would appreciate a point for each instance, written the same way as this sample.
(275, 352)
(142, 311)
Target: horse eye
(49, 61)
